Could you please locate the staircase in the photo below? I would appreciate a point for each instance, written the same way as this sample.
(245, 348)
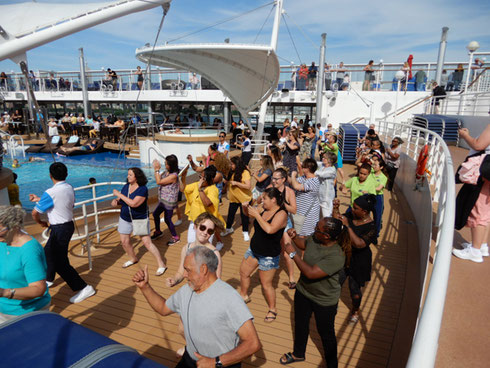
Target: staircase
(134, 153)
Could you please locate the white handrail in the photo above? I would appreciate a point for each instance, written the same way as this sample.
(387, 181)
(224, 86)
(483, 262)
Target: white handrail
(424, 347)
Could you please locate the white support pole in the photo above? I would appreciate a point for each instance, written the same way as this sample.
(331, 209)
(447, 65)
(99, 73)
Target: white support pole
(442, 54)
(320, 80)
(467, 81)
(275, 33)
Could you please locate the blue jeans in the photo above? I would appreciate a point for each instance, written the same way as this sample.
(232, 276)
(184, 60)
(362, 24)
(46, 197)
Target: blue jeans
(420, 86)
(378, 212)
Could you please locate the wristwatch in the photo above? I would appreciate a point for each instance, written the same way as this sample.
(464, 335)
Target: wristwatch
(218, 363)
(292, 254)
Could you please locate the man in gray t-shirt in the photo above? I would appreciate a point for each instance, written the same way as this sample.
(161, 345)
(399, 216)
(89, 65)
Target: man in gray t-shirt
(218, 326)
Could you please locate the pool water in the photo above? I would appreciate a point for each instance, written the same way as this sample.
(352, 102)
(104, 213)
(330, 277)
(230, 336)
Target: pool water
(33, 177)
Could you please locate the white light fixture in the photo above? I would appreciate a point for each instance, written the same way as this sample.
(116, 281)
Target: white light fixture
(399, 75)
(473, 46)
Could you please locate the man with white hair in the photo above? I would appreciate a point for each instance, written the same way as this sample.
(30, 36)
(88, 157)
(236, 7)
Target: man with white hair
(218, 326)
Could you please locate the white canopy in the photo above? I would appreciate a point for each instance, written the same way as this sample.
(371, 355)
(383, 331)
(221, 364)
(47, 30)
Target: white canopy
(247, 74)
(30, 24)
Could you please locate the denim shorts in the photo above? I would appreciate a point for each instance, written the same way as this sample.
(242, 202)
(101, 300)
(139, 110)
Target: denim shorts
(265, 263)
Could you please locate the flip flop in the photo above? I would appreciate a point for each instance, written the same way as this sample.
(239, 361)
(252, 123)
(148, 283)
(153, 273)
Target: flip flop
(272, 318)
(161, 271)
(292, 285)
(288, 358)
(128, 264)
(247, 300)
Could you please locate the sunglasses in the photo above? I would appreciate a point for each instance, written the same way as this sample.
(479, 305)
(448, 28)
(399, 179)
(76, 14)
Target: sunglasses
(207, 229)
(222, 136)
(273, 178)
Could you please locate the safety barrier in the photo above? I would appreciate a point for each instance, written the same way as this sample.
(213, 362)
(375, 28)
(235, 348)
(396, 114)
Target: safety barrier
(440, 187)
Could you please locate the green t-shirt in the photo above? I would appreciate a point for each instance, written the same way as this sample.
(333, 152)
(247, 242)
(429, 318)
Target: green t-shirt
(20, 266)
(324, 291)
(379, 179)
(358, 189)
(335, 149)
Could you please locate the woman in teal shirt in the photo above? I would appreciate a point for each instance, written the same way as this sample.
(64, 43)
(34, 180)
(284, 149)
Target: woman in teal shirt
(22, 267)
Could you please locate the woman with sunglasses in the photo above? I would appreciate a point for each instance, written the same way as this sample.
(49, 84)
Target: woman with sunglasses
(319, 287)
(265, 248)
(206, 226)
(279, 181)
(223, 145)
(362, 232)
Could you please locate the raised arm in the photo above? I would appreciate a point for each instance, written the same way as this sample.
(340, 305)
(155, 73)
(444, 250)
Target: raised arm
(295, 184)
(478, 144)
(156, 301)
(311, 272)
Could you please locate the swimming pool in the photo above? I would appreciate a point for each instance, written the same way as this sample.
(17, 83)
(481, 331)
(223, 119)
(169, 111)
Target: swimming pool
(33, 177)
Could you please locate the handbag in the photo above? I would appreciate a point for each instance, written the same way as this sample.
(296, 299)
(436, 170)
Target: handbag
(299, 220)
(470, 170)
(140, 226)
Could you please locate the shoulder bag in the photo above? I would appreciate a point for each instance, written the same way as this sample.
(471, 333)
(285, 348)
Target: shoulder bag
(140, 226)
(299, 220)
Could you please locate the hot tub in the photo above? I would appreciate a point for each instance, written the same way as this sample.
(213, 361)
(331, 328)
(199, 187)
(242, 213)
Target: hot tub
(193, 142)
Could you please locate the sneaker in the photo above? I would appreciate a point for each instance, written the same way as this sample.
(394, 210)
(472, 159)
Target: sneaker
(156, 235)
(469, 253)
(246, 237)
(49, 283)
(173, 241)
(219, 246)
(227, 232)
(178, 222)
(483, 249)
(83, 294)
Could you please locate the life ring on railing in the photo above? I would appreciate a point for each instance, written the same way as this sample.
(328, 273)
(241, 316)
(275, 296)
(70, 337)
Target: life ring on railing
(422, 163)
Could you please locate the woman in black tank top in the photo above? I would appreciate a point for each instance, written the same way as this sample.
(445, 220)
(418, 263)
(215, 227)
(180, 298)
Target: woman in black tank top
(265, 248)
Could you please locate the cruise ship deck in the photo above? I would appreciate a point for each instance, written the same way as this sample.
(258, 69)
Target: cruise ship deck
(381, 338)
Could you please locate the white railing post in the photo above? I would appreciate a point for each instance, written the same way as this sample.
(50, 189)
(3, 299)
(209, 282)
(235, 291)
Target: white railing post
(96, 211)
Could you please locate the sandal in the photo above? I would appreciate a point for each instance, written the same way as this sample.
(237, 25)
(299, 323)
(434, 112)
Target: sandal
(272, 318)
(129, 264)
(247, 300)
(292, 285)
(354, 318)
(161, 271)
(289, 358)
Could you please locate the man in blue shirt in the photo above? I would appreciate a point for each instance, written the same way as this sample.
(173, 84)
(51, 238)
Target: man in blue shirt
(57, 202)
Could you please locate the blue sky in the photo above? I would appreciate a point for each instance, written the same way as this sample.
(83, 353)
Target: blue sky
(356, 31)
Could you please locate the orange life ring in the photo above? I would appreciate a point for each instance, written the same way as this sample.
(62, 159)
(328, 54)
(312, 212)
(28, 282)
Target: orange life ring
(422, 162)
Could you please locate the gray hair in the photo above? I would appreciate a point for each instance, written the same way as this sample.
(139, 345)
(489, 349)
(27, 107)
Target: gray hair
(204, 255)
(12, 217)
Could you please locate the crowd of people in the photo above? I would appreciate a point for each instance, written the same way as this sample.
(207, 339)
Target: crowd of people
(291, 198)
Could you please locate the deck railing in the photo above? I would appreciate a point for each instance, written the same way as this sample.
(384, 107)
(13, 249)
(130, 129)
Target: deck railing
(442, 192)
(179, 81)
(88, 213)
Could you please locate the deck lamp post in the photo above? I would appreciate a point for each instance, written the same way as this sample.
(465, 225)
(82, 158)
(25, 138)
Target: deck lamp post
(399, 75)
(472, 47)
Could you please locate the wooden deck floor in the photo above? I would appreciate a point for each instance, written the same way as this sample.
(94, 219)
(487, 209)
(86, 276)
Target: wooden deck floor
(119, 310)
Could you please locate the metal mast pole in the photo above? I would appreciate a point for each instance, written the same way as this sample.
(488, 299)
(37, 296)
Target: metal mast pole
(275, 34)
(442, 54)
(320, 81)
(83, 77)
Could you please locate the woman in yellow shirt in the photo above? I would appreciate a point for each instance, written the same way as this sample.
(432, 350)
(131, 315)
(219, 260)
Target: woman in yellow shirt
(239, 191)
(202, 196)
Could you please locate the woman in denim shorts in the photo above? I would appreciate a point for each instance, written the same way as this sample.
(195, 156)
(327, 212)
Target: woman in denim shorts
(265, 247)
